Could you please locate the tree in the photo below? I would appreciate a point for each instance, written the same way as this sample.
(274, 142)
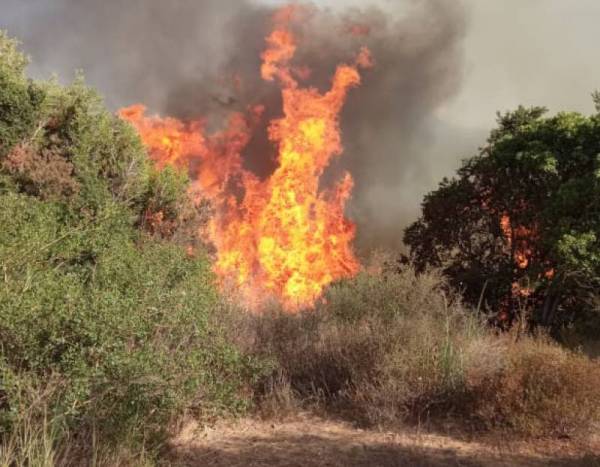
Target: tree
(519, 227)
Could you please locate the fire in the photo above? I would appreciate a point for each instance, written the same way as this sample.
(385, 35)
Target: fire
(520, 240)
(517, 239)
(173, 141)
(358, 30)
(284, 236)
(521, 236)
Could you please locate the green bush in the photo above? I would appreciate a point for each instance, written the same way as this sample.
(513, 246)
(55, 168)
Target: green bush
(108, 158)
(66, 133)
(124, 323)
(166, 202)
(108, 334)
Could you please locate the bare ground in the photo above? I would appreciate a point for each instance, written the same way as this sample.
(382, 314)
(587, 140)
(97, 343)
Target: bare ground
(307, 441)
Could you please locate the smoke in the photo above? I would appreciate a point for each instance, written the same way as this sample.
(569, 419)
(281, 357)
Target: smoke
(190, 59)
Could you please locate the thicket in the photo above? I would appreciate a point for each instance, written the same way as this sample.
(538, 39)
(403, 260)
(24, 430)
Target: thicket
(107, 326)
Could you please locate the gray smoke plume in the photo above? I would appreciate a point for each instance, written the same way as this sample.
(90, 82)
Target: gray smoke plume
(185, 58)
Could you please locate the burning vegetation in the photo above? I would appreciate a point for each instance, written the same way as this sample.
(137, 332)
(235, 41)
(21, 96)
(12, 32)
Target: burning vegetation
(112, 332)
(285, 236)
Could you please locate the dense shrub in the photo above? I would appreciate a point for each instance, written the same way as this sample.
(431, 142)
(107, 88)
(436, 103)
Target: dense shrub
(41, 173)
(122, 322)
(166, 202)
(107, 333)
(20, 98)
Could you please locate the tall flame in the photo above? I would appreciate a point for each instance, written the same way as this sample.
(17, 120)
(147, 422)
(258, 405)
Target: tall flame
(282, 237)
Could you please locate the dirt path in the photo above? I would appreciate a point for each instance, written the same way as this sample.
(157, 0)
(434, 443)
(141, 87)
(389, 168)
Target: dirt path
(308, 441)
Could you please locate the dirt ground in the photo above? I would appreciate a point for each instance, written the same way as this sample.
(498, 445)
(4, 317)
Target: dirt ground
(307, 441)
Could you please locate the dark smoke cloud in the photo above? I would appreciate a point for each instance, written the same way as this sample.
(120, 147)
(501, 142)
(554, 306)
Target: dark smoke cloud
(182, 58)
(132, 50)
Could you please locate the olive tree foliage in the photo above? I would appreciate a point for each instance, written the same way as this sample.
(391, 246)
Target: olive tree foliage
(532, 192)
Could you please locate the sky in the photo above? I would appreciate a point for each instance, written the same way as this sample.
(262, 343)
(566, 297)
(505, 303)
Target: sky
(531, 52)
(528, 52)
(504, 53)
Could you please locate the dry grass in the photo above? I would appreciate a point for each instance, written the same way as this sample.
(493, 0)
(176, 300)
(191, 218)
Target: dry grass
(535, 387)
(309, 441)
(380, 348)
(395, 348)
(34, 434)
(41, 438)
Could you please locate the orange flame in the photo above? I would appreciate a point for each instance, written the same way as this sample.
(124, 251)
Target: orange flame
(282, 237)
(521, 236)
(519, 240)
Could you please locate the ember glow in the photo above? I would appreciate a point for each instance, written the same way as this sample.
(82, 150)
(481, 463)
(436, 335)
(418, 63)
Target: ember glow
(281, 237)
(518, 240)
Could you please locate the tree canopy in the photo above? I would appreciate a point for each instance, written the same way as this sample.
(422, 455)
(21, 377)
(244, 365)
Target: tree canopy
(518, 228)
